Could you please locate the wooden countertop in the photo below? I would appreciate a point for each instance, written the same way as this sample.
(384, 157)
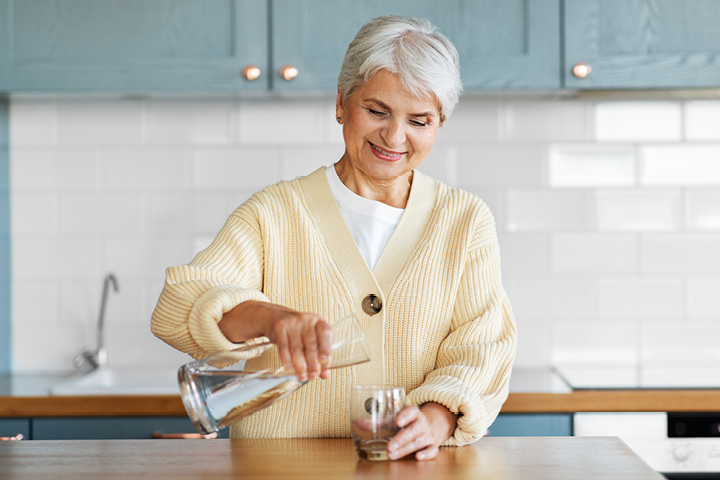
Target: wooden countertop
(507, 458)
(578, 401)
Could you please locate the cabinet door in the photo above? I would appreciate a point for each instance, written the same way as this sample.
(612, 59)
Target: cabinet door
(508, 44)
(531, 425)
(643, 43)
(95, 428)
(132, 45)
(12, 427)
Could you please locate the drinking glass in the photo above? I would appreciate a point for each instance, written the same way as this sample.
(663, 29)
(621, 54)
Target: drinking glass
(222, 389)
(373, 418)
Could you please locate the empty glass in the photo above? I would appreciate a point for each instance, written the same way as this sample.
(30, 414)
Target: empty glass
(373, 418)
(221, 389)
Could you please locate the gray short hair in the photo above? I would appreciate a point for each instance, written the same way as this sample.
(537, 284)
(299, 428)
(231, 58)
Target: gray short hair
(424, 59)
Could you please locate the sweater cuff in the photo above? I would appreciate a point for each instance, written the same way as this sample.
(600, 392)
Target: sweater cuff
(473, 417)
(208, 311)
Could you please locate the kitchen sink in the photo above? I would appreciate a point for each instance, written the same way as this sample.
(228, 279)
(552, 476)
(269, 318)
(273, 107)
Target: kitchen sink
(120, 382)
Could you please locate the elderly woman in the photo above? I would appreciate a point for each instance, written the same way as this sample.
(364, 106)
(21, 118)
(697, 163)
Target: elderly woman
(416, 260)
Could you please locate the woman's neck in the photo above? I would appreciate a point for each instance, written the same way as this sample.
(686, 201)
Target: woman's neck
(393, 191)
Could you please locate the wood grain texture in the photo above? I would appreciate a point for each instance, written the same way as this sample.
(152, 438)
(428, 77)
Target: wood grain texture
(643, 43)
(539, 458)
(580, 401)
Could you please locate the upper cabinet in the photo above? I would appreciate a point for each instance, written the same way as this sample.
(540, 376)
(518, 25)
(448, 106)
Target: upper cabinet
(642, 43)
(128, 46)
(133, 45)
(502, 44)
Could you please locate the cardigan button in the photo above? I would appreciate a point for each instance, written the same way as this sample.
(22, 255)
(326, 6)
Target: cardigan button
(372, 305)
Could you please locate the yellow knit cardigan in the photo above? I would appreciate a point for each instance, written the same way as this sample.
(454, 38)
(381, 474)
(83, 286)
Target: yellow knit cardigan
(445, 332)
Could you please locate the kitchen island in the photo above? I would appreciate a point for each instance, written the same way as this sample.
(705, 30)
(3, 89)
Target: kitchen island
(507, 458)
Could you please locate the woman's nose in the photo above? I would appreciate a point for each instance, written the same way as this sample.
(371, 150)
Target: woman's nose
(394, 134)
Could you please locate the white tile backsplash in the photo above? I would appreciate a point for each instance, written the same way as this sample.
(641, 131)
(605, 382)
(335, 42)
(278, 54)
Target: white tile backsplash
(608, 213)
(638, 121)
(681, 165)
(702, 120)
(591, 165)
(639, 210)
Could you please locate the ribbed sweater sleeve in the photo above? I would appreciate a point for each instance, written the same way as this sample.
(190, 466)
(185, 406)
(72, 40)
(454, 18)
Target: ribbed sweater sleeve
(474, 361)
(196, 296)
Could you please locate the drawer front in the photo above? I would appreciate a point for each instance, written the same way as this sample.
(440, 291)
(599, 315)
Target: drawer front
(97, 428)
(12, 427)
(531, 425)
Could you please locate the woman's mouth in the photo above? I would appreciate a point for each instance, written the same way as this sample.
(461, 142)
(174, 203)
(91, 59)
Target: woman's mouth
(385, 154)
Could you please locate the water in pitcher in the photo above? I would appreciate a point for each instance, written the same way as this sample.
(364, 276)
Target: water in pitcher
(231, 397)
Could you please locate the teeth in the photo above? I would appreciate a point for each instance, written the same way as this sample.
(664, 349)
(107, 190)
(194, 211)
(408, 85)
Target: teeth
(384, 152)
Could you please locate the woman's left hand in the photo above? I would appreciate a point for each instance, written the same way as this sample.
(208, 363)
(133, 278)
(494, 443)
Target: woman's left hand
(424, 429)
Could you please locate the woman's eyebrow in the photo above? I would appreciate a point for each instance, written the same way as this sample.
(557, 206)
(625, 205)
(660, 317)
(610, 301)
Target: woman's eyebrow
(386, 107)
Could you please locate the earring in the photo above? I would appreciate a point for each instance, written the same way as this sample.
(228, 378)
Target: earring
(339, 120)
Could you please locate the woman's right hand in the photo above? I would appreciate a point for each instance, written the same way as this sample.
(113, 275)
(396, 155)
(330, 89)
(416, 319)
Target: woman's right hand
(304, 340)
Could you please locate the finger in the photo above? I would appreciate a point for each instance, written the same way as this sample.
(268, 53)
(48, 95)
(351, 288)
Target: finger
(324, 346)
(297, 351)
(311, 355)
(428, 453)
(407, 415)
(415, 436)
(283, 346)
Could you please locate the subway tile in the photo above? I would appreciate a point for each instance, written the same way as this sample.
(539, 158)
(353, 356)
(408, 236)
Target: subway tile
(171, 213)
(127, 306)
(333, 131)
(638, 121)
(702, 120)
(33, 122)
(586, 165)
(100, 122)
(704, 297)
(680, 253)
(538, 298)
(546, 210)
(524, 253)
(233, 168)
(473, 121)
(136, 258)
(147, 169)
(101, 213)
(442, 164)
(639, 210)
(703, 210)
(681, 342)
(591, 253)
(59, 345)
(681, 165)
(33, 213)
(192, 122)
(534, 344)
(640, 298)
(298, 161)
(46, 258)
(282, 122)
(53, 169)
(595, 343)
(548, 121)
(134, 345)
(35, 301)
(502, 165)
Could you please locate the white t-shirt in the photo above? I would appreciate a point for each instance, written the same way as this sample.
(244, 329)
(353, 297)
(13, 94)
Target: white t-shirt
(370, 222)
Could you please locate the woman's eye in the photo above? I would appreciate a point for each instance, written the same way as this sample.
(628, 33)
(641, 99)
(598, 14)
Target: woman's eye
(417, 123)
(377, 113)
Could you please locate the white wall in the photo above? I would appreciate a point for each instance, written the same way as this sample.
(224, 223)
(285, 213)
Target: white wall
(608, 214)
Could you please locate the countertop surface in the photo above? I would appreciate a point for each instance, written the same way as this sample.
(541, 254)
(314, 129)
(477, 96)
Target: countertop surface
(531, 391)
(505, 458)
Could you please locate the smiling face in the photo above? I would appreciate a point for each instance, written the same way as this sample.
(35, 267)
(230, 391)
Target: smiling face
(388, 132)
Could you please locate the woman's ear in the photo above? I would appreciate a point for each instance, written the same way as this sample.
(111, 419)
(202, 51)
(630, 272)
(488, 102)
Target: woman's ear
(339, 109)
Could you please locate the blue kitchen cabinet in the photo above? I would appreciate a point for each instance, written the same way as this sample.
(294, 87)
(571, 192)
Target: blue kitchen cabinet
(5, 273)
(132, 46)
(531, 425)
(642, 43)
(512, 44)
(95, 428)
(11, 427)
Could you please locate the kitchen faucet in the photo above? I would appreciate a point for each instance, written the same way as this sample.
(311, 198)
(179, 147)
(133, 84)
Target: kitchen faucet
(97, 359)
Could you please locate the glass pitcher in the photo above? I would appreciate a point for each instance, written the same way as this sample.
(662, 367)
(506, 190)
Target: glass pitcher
(221, 389)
